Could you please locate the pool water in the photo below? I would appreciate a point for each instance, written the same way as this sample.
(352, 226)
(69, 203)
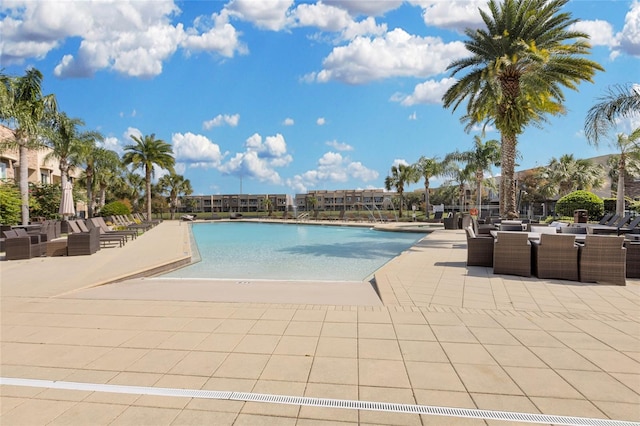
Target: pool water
(232, 250)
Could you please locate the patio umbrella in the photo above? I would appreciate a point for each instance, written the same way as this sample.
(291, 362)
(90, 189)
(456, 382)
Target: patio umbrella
(66, 203)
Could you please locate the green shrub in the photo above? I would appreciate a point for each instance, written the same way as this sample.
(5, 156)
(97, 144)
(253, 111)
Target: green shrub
(584, 200)
(115, 208)
(635, 206)
(10, 213)
(610, 204)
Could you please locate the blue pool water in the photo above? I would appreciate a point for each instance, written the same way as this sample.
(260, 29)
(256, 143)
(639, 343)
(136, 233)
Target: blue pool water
(291, 252)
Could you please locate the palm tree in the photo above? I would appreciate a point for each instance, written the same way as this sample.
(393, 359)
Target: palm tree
(480, 159)
(94, 160)
(460, 176)
(428, 168)
(568, 174)
(177, 185)
(628, 159)
(147, 153)
(620, 101)
(518, 66)
(400, 175)
(25, 108)
(68, 145)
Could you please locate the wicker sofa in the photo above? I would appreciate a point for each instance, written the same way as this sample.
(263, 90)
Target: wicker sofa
(555, 256)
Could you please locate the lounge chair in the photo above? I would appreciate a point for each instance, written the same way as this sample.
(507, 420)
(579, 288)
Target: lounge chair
(612, 220)
(79, 227)
(105, 230)
(632, 228)
(633, 258)
(125, 223)
(479, 249)
(555, 256)
(605, 218)
(512, 254)
(603, 259)
(623, 221)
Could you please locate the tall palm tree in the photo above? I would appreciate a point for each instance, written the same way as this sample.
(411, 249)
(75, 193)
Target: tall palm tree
(459, 175)
(176, 185)
(106, 174)
(628, 159)
(620, 101)
(133, 188)
(400, 175)
(480, 158)
(67, 144)
(519, 64)
(26, 109)
(428, 168)
(147, 153)
(94, 158)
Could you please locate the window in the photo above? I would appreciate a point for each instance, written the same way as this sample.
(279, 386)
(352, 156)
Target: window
(3, 170)
(44, 177)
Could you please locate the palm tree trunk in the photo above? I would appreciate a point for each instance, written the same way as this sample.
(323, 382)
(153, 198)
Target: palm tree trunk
(620, 192)
(479, 179)
(426, 198)
(24, 182)
(507, 162)
(89, 177)
(148, 184)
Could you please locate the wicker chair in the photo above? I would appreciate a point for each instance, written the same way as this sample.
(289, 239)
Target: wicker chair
(83, 243)
(603, 259)
(512, 254)
(633, 258)
(479, 249)
(20, 246)
(555, 256)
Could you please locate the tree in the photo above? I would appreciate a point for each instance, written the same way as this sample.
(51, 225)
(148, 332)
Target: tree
(628, 159)
(480, 159)
(400, 175)
(94, 159)
(26, 109)
(68, 144)
(460, 176)
(147, 153)
(518, 66)
(619, 102)
(106, 166)
(428, 168)
(176, 185)
(568, 174)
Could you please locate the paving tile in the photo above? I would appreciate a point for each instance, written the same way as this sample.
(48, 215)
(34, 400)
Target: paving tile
(422, 351)
(296, 345)
(146, 416)
(514, 356)
(453, 333)
(563, 358)
(632, 381)
(236, 326)
(157, 361)
(242, 366)
(334, 371)
(542, 382)
(304, 315)
(496, 336)
(303, 328)
(199, 417)
(183, 340)
(148, 339)
(537, 338)
(610, 361)
(376, 331)
(88, 412)
(599, 386)
(509, 403)
(387, 373)
(198, 363)
(567, 407)
(618, 410)
(486, 379)
(379, 349)
(11, 402)
(398, 396)
(337, 347)
(291, 368)
(274, 327)
(257, 344)
(117, 359)
(341, 316)
(339, 329)
(467, 353)
(377, 317)
(434, 376)
(258, 420)
(286, 388)
(414, 332)
(36, 412)
(222, 342)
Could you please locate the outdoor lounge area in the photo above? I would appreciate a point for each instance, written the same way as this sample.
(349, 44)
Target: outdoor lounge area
(445, 335)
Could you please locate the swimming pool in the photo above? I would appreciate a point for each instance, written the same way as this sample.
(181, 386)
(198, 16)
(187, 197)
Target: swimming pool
(232, 250)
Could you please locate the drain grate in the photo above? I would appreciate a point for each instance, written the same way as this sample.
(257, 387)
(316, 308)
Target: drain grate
(319, 402)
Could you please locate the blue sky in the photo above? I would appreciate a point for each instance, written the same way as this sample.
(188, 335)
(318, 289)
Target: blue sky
(284, 97)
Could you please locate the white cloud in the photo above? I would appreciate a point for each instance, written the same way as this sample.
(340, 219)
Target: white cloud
(454, 14)
(339, 146)
(429, 92)
(131, 131)
(321, 121)
(600, 32)
(288, 122)
(322, 16)
(220, 119)
(260, 159)
(413, 116)
(131, 37)
(629, 38)
(366, 7)
(113, 144)
(400, 161)
(332, 167)
(269, 14)
(396, 54)
(196, 150)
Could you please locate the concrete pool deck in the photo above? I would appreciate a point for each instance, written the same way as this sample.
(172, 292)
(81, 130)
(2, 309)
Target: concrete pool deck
(444, 335)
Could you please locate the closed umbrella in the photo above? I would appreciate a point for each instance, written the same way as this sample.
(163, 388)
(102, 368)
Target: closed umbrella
(66, 204)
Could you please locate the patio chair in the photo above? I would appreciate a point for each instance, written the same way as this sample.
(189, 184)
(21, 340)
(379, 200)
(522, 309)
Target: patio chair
(479, 249)
(19, 246)
(573, 230)
(83, 243)
(603, 259)
(623, 221)
(555, 256)
(105, 230)
(451, 221)
(510, 227)
(612, 220)
(124, 223)
(78, 226)
(512, 254)
(633, 258)
(544, 229)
